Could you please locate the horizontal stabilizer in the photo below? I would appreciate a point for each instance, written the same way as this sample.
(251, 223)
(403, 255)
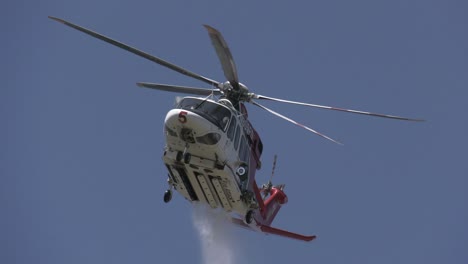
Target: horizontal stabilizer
(279, 232)
(274, 231)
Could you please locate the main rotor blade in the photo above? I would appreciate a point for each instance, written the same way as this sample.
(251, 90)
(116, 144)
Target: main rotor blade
(180, 89)
(337, 109)
(294, 122)
(139, 53)
(225, 56)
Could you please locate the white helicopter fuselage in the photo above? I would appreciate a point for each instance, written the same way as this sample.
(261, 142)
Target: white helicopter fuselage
(208, 154)
(212, 151)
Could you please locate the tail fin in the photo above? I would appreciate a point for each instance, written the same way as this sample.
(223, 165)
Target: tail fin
(273, 197)
(273, 203)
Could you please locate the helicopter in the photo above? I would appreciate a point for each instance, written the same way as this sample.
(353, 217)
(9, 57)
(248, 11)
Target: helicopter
(212, 151)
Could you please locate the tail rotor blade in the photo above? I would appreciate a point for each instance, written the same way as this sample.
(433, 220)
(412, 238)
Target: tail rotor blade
(269, 185)
(295, 123)
(336, 108)
(180, 89)
(139, 53)
(274, 167)
(225, 56)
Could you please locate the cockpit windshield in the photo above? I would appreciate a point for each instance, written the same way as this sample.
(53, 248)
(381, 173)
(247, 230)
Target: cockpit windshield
(213, 112)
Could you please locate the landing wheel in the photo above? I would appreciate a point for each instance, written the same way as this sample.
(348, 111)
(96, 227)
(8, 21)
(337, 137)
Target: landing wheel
(187, 157)
(167, 196)
(249, 217)
(242, 172)
(179, 156)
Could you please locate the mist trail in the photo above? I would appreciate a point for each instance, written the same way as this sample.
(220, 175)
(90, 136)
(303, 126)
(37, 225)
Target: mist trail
(218, 240)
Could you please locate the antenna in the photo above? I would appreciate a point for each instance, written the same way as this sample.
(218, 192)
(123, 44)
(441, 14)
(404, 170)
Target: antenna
(269, 185)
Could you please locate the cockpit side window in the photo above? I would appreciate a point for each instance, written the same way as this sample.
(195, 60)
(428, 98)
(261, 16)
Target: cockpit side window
(244, 150)
(236, 138)
(232, 128)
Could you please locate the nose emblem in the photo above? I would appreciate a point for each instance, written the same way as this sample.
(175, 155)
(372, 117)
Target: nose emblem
(183, 117)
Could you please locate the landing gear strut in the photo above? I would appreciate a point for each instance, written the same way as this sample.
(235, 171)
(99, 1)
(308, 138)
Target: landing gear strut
(167, 196)
(184, 156)
(187, 157)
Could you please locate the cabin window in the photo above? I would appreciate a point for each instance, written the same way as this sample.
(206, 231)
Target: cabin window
(236, 138)
(244, 150)
(232, 128)
(260, 147)
(170, 131)
(216, 113)
(209, 139)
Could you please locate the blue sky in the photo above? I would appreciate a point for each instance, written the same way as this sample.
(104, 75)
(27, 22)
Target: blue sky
(80, 163)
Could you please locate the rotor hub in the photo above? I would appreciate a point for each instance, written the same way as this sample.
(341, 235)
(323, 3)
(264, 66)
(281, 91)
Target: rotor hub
(236, 95)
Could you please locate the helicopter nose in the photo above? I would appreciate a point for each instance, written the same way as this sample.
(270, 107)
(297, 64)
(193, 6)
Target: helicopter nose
(177, 119)
(191, 127)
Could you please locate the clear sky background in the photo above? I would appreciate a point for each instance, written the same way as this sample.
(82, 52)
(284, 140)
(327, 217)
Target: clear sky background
(81, 176)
